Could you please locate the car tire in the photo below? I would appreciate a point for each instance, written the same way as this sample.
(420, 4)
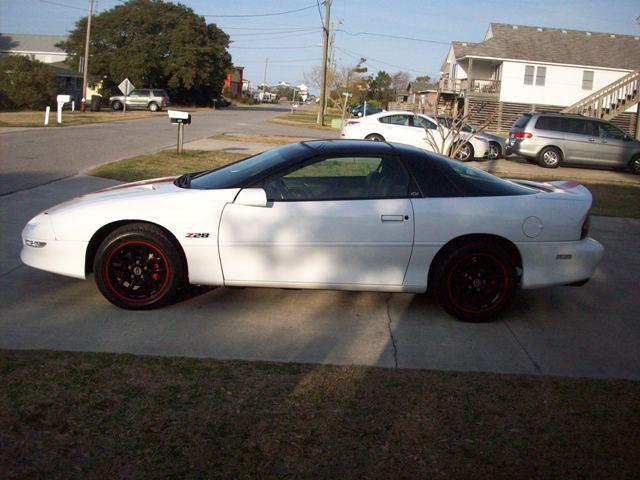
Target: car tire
(138, 267)
(550, 157)
(475, 282)
(374, 137)
(116, 105)
(494, 152)
(465, 153)
(153, 107)
(634, 165)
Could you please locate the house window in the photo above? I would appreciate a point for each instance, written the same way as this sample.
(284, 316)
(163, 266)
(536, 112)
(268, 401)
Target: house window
(587, 79)
(529, 72)
(541, 74)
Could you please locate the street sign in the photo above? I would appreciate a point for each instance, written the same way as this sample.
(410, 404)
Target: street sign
(126, 87)
(347, 94)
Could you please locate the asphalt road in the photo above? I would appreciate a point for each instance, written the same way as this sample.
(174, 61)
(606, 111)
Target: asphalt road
(35, 156)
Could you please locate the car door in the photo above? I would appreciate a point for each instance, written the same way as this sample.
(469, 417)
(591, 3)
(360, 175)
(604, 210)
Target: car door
(136, 99)
(613, 145)
(580, 141)
(400, 128)
(343, 221)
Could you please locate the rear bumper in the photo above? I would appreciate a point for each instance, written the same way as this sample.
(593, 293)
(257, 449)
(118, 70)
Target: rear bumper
(523, 149)
(558, 263)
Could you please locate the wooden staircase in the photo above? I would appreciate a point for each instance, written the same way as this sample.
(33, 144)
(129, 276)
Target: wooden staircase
(610, 101)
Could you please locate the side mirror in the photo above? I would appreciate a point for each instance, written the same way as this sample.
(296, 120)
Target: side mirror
(252, 197)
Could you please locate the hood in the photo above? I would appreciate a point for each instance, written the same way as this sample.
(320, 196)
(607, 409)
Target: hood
(145, 188)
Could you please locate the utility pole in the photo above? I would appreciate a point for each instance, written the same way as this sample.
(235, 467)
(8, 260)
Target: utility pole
(264, 80)
(325, 47)
(331, 61)
(85, 70)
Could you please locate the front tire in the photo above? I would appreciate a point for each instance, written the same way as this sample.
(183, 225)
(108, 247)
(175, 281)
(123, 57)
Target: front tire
(476, 282)
(137, 267)
(634, 165)
(465, 152)
(117, 105)
(495, 152)
(374, 137)
(550, 157)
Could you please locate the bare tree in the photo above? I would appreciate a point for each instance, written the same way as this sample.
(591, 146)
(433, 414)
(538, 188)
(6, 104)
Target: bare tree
(451, 134)
(400, 80)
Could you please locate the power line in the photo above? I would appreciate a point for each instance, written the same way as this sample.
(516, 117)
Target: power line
(63, 5)
(263, 14)
(292, 35)
(271, 48)
(399, 37)
(358, 55)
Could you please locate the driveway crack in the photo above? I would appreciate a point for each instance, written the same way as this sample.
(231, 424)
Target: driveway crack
(393, 340)
(526, 352)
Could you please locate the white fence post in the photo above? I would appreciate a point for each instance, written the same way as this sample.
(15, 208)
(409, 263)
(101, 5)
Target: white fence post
(46, 115)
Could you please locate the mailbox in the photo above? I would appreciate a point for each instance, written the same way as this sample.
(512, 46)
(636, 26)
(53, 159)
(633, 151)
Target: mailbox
(63, 98)
(177, 116)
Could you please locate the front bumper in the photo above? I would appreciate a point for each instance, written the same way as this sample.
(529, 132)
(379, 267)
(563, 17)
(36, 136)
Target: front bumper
(558, 263)
(41, 250)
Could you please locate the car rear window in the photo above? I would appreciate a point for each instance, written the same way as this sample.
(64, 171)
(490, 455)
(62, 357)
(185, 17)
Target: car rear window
(522, 121)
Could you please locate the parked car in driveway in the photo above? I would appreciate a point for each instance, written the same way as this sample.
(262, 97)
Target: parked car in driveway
(359, 110)
(341, 215)
(153, 99)
(552, 139)
(409, 128)
(498, 147)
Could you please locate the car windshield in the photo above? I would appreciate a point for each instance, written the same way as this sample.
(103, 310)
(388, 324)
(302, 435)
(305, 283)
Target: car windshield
(245, 171)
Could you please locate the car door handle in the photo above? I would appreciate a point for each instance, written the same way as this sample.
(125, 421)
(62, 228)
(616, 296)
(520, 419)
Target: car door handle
(393, 218)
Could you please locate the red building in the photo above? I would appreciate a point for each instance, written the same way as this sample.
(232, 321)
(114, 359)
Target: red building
(233, 81)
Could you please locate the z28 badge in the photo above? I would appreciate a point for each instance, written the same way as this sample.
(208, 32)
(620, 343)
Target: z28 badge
(197, 235)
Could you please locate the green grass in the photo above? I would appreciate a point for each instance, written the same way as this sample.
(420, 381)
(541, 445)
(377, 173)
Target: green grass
(305, 118)
(90, 415)
(69, 118)
(164, 163)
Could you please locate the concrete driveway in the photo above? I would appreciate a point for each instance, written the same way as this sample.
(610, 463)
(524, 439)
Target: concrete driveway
(591, 331)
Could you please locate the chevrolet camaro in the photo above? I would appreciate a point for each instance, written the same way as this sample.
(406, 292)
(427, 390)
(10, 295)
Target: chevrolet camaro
(342, 214)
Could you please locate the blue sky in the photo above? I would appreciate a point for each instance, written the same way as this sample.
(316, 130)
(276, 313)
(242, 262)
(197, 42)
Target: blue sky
(292, 42)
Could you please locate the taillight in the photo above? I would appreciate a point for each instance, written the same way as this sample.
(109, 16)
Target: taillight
(352, 122)
(523, 135)
(585, 227)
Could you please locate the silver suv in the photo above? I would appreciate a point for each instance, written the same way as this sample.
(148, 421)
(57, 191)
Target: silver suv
(550, 139)
(154, 99)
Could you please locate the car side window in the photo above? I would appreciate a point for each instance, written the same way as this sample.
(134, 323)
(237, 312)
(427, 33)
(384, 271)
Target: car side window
(341, 178)
(404, 120)
(424, 123)
(606, 130)
(136, 93)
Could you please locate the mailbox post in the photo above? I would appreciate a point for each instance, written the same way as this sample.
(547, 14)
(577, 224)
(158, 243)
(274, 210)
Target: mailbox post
(62, 99)
(182, 119)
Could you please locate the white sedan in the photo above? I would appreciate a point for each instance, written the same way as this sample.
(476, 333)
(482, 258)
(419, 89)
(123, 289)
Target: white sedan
(417, 130)
(347, 215)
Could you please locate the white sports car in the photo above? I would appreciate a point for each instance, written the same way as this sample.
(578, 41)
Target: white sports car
(348, 215)
(411, 129)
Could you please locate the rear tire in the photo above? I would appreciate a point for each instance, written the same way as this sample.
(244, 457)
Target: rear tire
(153, 107)
(550, 157)
(374, 137)
(137, 267)
(475, 282)
(634, 165)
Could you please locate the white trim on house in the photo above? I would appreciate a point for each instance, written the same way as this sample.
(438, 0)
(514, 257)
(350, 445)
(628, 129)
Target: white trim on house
(536, 62)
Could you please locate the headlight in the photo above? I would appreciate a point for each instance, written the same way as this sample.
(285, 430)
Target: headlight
(38, 231)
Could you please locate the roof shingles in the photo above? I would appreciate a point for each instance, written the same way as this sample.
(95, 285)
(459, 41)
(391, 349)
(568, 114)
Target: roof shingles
(552, 45)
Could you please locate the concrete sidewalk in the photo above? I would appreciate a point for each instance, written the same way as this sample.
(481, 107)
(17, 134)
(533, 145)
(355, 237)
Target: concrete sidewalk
(591, 331)
(250, 148)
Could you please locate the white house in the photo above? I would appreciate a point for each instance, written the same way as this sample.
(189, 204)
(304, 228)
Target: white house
(518, 68)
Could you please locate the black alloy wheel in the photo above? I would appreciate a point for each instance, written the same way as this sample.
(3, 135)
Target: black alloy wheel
(476, 282)
(137, 267)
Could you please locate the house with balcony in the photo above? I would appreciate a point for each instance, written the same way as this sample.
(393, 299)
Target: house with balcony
(518, 68)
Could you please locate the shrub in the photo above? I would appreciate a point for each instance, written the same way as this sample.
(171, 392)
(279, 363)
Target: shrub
(26, 83)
